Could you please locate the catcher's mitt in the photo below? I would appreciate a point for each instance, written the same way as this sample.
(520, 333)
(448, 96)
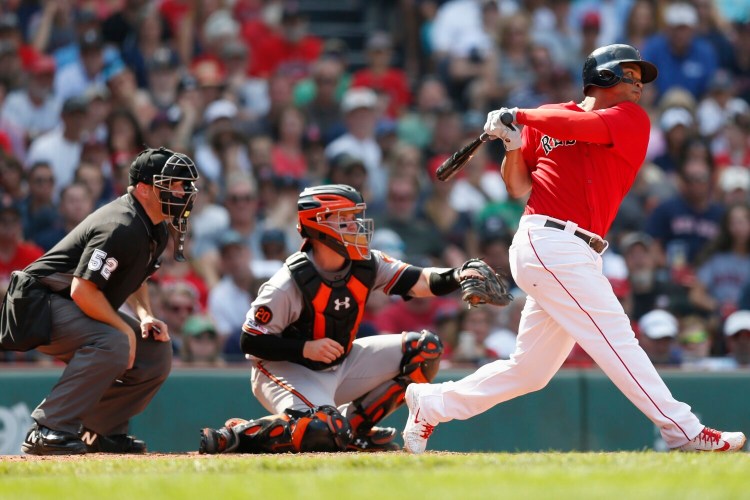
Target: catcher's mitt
(487, 289)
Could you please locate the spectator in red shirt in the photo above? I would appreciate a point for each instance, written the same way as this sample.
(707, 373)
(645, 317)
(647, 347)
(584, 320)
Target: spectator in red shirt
(286, 47)
(15, 253)
(287, 153)
(381, 77)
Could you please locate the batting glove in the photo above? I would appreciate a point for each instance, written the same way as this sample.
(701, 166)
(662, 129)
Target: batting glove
(495, 128)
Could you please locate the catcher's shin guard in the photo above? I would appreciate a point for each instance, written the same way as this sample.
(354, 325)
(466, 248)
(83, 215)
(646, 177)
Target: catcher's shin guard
(419, 363)
(319, 429)
(421, 360)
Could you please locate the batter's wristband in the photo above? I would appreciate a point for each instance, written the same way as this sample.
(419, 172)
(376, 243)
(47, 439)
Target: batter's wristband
(443, 283)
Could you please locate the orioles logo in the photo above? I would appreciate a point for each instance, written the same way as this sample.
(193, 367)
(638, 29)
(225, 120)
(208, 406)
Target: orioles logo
(263, 315)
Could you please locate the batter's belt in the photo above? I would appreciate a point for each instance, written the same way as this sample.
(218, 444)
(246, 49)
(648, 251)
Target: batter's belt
(596, 244)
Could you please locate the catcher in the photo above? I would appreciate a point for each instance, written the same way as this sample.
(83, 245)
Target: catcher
(325, 389)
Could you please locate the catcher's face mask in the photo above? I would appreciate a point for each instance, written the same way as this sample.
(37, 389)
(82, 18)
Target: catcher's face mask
(354, 231)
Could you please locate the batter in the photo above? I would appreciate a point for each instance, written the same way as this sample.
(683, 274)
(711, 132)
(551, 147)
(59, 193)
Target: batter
(578, 161)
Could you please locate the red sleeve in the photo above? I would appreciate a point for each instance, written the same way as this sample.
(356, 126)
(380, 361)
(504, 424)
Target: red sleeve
(629, 127)
(566, 125)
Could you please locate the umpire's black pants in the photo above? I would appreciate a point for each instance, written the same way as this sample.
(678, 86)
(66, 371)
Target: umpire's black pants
(96, 389)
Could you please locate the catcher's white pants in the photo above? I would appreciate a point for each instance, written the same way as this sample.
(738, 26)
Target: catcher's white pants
(569, 300)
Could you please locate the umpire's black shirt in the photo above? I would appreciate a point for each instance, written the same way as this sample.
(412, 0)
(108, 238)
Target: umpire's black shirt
(117, 247)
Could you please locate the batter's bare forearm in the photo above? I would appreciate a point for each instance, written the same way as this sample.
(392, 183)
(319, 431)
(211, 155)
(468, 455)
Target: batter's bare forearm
(515, 174)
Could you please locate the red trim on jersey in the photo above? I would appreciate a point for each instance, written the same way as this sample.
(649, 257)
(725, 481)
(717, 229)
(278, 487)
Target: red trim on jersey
(605, 338)
(395, 278)
(273, 378)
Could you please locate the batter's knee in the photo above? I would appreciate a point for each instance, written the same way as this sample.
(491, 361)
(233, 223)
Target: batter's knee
(421, 356)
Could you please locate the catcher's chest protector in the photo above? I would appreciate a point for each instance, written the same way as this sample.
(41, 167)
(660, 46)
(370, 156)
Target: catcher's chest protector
(331, 309)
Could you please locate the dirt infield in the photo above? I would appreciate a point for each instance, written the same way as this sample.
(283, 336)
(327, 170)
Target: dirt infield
(98, 456)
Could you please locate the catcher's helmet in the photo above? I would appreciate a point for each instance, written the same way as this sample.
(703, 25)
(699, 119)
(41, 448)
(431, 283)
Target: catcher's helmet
(164, 169)
(602, 67)
(322, 211)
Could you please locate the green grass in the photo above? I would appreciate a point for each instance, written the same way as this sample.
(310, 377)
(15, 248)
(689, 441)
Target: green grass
(639, 475)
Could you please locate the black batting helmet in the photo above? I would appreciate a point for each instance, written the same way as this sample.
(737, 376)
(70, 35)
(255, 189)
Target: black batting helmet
(602, 67)
(320, 210)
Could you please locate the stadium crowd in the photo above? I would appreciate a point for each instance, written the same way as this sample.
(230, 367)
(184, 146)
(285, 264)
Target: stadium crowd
(266, 108)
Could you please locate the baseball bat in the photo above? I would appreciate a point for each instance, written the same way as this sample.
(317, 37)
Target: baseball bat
(460, 158)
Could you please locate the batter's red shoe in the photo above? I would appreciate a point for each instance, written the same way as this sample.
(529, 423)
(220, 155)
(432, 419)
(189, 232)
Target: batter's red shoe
(417, 429)
(713, 440)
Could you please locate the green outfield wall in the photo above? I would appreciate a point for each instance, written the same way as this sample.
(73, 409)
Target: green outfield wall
(577, 411)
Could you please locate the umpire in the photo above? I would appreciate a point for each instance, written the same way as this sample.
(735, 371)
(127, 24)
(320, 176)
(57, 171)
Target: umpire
(115, 363)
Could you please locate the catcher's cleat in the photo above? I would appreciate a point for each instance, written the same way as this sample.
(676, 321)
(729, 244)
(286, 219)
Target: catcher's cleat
(114, 443)
(42, 440)
(378, 439)
(417, 429)
(215, 441)
(713, 440)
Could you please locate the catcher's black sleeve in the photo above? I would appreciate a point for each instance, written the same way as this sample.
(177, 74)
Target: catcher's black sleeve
(272, 347)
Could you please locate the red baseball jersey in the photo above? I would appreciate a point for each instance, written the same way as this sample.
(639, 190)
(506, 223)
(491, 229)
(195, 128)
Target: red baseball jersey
(581, 181)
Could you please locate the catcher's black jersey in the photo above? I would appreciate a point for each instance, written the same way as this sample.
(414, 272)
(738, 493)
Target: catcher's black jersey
(117, 248)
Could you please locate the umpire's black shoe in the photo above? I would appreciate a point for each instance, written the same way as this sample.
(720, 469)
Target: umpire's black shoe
(42, 440)
(114, 443)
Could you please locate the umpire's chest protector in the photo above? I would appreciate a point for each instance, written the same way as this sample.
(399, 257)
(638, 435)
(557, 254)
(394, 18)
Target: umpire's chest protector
(332, 309)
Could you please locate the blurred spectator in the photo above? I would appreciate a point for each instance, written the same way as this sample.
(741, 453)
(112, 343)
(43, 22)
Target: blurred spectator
(282, 212)
(287, 155)
(422, 241)
(683, 58)
(737, 332)
(381, 76)
(447, 327)
(284, 44)
(15, 253)
(695, 343)
(201, 345)
(178, 301)
(241, 201)
(478, 184)
(677, 125)
(275, 252)
(251, 92)
(12, 186)
(641, 23)
(34, 108)
(351, 170)
(551, 82)
(61, 147)
(230, 298)
(92, 176)
(512, 65)
(360, 115)
(183, 273)
(651, 287)
(127, 22)
(560, 36)
(732, 145)
(734, 182)
(73, 79)
(453, 226)
(712, 28)
(462, 40)
(611, 14)
(124, 138)
(659, 330)
(476, 328)
(327, 82)
(683, 224)
(410, 315)
(142, 41)
(76, 203)
(723, 267)
(162, 77)
(720, 105)
(223, 151)
(417, 126)
(38, 211)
